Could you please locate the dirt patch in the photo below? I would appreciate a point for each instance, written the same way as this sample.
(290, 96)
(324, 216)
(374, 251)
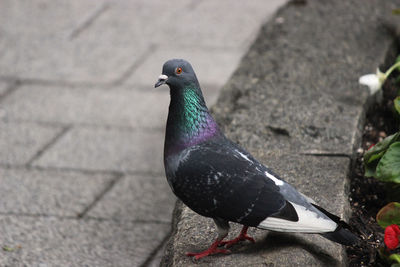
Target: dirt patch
(368, 195)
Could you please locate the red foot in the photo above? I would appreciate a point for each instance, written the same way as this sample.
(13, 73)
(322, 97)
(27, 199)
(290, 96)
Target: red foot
(213, 249)
(241, 237)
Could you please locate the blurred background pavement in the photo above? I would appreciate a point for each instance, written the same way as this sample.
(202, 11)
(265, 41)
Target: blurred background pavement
(82, 128)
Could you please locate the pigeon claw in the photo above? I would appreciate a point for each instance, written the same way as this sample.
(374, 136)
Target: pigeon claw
(207, 252)
(241, 237)
(213, 249)
(232, 242)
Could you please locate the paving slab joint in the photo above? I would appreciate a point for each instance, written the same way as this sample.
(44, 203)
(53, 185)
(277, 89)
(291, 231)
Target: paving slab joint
(89, 20)
(167, 259)
(107, 188)
(135, 65)
(49, 144)
(156, 249)
(12, 86)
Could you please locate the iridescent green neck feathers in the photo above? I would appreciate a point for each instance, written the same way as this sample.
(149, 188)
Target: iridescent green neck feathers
(189, 121)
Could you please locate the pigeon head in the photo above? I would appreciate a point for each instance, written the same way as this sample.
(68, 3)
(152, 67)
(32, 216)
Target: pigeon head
(189, 121)
(177, 73)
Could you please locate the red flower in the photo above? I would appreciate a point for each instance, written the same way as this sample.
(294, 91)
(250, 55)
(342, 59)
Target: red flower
(392, 233)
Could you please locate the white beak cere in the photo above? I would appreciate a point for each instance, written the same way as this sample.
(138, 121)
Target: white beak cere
(161, 80)
(162, 77)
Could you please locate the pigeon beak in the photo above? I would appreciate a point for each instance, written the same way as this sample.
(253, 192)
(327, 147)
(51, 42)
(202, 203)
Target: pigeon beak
(161, 80)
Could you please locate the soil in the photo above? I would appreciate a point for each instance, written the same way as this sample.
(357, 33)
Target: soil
(367, 194)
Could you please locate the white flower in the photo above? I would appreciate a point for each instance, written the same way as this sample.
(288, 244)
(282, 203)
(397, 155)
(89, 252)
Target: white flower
(373, 81)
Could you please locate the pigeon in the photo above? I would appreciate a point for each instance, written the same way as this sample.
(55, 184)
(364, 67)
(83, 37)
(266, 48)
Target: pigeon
(217, 178)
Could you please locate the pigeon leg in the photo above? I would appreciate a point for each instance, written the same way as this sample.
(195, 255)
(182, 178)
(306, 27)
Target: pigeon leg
(242, 236)
(223, 229)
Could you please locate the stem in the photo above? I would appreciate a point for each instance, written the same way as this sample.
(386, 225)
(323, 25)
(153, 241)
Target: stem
(392, 68)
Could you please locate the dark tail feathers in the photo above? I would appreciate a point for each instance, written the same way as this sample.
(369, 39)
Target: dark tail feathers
(343, 234)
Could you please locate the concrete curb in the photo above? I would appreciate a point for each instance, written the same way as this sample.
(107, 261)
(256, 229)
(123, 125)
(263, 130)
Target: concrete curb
(295, 103)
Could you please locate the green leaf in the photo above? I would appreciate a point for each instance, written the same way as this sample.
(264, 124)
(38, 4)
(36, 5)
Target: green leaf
(396, 11)
(375, 153)
(395, 257)
(370, 170)
(397, 104)
(381, 146)
(388, 168)
(376, 157)
(389, 214)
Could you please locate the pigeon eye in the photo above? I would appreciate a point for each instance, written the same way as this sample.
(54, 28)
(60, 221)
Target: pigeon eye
(178, 70)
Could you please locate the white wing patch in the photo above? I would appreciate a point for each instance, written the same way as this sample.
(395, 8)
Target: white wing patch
(243, 156)
(309, 222)
(273, 178)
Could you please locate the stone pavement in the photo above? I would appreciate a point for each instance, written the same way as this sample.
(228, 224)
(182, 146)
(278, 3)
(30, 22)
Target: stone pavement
(81, 126)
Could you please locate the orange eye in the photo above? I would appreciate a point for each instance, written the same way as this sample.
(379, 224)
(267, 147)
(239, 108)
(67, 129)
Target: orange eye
(178, 70)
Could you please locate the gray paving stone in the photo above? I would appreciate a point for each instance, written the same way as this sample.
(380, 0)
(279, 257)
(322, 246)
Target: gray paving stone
(135, 22)
(217, 23)
(64, 17)
(134, 107)
(71, 61)
(49, 192)
(296, 122)
(152, 197)
(3, 87)
(156, 260)
(210, 93)
(19, 142)
(106, 149)
(47, 50)
(64, 242)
